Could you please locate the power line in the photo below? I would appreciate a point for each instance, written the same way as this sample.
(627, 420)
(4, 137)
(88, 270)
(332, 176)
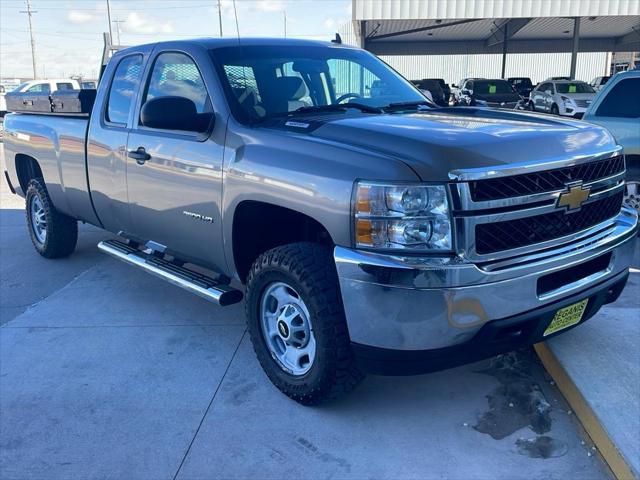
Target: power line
(118, 22)
(29, 13)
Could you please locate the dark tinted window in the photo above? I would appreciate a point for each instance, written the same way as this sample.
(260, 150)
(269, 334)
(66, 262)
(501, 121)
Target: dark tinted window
(544, 87)
(123, 87)
(488, 87)
(176, 74)
(574, 87)
(623, 100)
(64, 86)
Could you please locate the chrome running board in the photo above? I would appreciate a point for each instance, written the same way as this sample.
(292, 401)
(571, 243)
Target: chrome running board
(194, 282)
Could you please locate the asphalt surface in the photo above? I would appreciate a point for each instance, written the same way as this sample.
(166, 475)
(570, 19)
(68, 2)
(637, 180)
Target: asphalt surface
(107, 372)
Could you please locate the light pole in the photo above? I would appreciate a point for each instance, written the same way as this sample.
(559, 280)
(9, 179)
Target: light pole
(29, 13)
(285, 23)
(220, 17)
(109, 19)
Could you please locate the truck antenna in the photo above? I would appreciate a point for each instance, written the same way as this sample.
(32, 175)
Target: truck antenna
(338, 39)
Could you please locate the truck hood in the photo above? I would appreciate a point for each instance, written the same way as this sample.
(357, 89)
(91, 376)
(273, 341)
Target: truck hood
(436, 142)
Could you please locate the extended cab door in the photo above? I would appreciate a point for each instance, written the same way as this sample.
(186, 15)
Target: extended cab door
(174, 172)
(107, 139)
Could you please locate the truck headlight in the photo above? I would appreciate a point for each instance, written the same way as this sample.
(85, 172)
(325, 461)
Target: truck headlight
(406, 217)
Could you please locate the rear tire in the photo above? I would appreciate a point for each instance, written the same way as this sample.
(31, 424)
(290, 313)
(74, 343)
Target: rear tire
(53, 234)
(307, 279)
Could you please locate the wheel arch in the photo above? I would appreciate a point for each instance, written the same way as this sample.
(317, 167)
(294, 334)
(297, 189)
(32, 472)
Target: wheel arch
(27, 168)
(259, 226)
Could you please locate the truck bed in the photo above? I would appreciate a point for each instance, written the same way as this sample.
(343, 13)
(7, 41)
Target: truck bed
(58, 142)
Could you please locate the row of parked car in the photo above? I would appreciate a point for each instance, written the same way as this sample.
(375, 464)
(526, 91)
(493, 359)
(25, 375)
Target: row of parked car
(613, 102)
(556, 95)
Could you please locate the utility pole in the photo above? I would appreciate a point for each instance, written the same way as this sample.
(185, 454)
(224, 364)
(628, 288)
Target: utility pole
(118, 22)
(109, 19)
(220, 17)
(29, 13)
(285, 23)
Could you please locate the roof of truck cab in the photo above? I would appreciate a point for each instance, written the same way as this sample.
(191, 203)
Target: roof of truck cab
(213, 42)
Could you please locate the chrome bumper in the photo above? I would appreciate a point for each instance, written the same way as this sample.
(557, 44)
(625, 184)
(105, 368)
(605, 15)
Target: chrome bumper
(422, 303)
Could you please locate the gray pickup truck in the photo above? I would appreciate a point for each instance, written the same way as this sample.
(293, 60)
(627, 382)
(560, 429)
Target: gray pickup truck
(372, 231)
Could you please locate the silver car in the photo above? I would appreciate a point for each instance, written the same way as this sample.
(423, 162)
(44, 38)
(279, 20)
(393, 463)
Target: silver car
(568, 98)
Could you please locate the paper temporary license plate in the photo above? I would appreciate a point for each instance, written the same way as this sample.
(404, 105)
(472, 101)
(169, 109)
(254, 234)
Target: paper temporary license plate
(566, 317)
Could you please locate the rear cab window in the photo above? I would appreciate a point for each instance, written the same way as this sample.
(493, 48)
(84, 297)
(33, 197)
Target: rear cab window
(122, 91)
(64, 86)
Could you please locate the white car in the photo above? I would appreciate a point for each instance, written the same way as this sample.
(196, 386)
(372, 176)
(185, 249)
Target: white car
(617, 108)
(562, 97)
(48, 86)
(3, 101)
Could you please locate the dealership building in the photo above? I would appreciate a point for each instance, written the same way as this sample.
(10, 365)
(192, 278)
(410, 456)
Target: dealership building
(454, 39)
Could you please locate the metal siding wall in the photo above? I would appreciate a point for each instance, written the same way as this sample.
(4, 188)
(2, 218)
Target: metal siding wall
(537, 66)
(446, 9)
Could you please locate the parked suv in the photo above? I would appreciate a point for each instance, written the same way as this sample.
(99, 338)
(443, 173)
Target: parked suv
(434, 88)
(565, 97)
(496, 93)
(523, 85)
(617, 108)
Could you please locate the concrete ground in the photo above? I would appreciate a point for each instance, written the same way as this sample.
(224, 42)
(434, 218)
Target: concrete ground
(106, 372)
(611, 383)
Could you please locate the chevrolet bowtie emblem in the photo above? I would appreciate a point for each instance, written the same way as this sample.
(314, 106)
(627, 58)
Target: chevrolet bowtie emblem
(574, 197)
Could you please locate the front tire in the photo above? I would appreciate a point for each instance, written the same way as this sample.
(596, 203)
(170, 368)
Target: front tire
(297, 325)
(555, 110)
(53, 234)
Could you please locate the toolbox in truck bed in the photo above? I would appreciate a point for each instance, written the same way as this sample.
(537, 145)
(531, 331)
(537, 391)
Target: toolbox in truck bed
(30, 102)
(73, 101)
(63, 102)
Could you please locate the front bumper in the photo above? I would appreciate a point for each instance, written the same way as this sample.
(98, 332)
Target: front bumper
(412, 304)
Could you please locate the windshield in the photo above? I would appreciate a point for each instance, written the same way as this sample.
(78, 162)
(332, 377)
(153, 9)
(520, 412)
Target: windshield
(574, 87)
(267, 81)
(490, 87)
(20, 87)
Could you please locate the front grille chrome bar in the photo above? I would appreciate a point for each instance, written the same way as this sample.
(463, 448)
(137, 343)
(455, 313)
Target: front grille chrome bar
(469, 213)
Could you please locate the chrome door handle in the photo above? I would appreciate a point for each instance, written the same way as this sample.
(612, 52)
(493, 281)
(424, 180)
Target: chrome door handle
(140, 155)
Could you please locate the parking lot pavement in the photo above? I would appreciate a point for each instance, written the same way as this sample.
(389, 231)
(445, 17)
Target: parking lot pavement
(106, 372)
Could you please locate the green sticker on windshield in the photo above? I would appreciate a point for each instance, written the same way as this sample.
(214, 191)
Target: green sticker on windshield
(492, 89)
(573, 88)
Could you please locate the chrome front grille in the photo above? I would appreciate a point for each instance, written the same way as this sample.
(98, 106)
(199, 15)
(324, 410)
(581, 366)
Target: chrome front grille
(582, 103)
(520, 232)
(545, 181)
(504, 212)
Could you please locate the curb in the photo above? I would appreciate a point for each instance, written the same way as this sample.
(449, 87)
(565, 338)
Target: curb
(585, 414)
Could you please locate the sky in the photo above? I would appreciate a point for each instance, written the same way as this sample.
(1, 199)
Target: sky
(68, 33)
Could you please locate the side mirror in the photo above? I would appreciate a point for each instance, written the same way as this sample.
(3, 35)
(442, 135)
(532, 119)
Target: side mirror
(454, 85)
(465, 91)
(174, 113)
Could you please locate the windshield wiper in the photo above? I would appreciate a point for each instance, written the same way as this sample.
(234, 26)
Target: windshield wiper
(405, 105)
(333, 107)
